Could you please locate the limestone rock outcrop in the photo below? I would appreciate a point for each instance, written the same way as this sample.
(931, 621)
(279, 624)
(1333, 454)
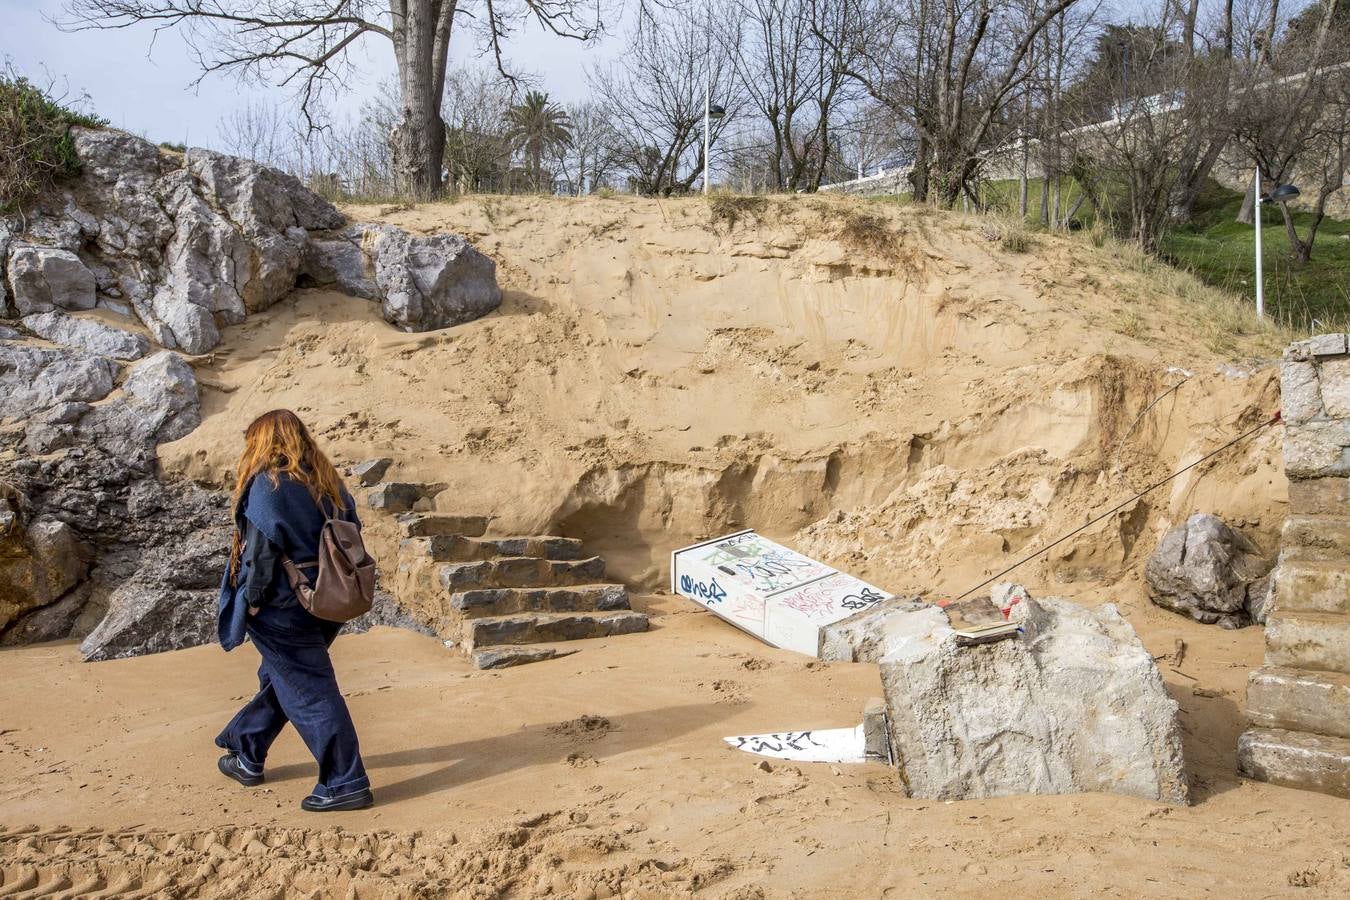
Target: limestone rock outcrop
(1074, 702)
(86, 527)
(189, 243)
(1208, 571)
(89, 335)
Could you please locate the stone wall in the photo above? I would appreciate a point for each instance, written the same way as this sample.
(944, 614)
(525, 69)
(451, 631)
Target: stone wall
(1299, 702)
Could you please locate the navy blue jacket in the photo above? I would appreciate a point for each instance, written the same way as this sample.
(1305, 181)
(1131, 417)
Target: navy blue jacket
(286, 515)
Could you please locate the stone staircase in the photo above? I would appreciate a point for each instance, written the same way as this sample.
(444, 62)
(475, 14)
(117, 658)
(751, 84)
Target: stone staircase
(506, 600)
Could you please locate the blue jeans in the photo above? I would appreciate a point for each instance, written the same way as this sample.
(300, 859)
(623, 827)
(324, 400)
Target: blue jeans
(296, 683)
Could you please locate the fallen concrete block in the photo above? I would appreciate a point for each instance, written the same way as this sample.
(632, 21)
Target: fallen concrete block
(1073, 703)
(774, 593)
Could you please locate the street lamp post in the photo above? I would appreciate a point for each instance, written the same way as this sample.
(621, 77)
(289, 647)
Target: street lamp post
(1280, 194)
(710, 110)
(1260, 287)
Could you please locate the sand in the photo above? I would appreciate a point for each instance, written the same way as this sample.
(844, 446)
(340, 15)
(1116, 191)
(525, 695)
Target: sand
(884, 387)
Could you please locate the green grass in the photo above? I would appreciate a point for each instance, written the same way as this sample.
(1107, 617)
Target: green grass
(36, 148)
(1222, 252)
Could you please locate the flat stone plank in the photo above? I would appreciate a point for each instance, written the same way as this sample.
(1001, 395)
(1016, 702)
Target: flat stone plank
(505, 657)
(1327, 344)
(1308, 640)
(1296, 759)
(1300, 700)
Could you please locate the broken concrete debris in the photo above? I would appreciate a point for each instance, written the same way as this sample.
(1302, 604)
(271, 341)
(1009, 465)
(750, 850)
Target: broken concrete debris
(1072, 703)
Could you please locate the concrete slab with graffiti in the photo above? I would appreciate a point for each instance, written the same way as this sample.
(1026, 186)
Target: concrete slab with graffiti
(831, 745)
(775, 593)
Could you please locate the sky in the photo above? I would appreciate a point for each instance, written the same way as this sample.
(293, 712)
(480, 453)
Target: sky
(143, 83)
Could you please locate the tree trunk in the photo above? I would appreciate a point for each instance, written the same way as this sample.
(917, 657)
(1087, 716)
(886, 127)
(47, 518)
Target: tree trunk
(421, 32)
(1247, 214)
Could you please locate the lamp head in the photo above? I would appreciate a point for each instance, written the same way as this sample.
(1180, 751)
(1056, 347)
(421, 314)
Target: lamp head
(1280, 194)
(715, 111)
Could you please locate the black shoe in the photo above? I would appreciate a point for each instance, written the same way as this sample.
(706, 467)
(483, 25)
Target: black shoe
(362, 799)
(231, 767)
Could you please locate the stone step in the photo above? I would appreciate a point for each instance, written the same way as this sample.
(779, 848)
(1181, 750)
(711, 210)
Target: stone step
(1308, 640)
(1296, 759)
(506, 601)
(433, 524)
(521, 571)
(1300, 700)
(506, 655)
(394, 496)
(534, 628)
(1312, 586)
(458, 548)
(1316, 539)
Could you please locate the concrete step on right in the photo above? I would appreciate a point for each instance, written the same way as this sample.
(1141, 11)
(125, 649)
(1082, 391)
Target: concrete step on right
(535, 628)
(1296, 759)
(459, 548)
(1311, 585)
(1300, 700)
(431, 524)
(1316, 539)
(482, 603)
(522, 571)
(1308, 640)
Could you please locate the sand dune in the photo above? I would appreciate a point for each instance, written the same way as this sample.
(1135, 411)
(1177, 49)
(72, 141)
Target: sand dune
(884, 387)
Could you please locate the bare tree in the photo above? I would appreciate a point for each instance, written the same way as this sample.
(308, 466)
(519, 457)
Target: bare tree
(654, 97)
(791, 59)
(950, 67)
(1294, 114)
(305, 44)
(587, 161)
(477, 149)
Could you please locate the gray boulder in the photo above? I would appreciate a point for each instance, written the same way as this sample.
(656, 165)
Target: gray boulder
(1072, 703)
(44, 278)
(338, 259)
(33, 379)
(38, 564)
(371, 470)
(169, 604)
(1208, 571)
(433, 281)
(393, 496)
(87, 334)
(159, 403)
(7, 333)
(164, 389)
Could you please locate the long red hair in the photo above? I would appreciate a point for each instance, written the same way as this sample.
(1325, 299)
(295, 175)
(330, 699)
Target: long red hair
(274, 443)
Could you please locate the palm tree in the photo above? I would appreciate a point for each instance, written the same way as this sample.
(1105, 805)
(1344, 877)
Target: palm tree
(538, 127)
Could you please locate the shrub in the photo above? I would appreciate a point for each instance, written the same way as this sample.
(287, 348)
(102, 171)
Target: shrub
(35, 143)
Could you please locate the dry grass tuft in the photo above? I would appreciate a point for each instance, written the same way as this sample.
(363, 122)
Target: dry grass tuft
(731, 209)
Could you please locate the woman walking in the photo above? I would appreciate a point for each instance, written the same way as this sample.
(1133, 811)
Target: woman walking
(285, 489)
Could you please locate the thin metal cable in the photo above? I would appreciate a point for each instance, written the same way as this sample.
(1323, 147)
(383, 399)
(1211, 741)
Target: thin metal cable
(1266, 424)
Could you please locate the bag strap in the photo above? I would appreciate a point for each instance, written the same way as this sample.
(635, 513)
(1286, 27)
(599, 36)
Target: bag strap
(293, 575)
